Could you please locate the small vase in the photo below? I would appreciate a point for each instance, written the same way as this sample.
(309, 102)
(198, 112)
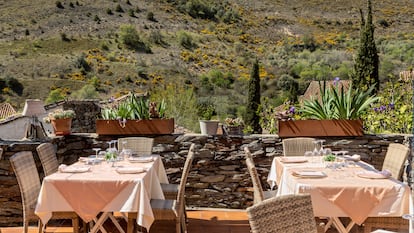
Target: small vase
(62, 126)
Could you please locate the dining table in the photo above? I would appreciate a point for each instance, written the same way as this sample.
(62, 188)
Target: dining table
(350, 188)
(94, 190)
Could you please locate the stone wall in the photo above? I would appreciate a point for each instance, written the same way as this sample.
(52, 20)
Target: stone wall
(86, 112)
(218, 178)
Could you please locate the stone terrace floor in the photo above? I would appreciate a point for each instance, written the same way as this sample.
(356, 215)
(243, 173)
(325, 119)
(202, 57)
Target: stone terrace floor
(199, 221)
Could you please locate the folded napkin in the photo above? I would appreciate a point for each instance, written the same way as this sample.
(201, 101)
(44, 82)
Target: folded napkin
(293, 159)
(142, 159)
(354, 157)
(73, 169)
(130, 170)
(307, 173)
(375, 174)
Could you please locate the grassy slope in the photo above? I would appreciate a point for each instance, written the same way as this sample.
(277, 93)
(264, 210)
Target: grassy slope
(42, 55)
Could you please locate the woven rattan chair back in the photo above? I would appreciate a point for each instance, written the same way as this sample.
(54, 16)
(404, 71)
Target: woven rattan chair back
(47, 155)
(186, 171)
(395, 159)
(139, 145)
(297, 146)
(167, 209)
(287, 214)
(27, 177)
(258, 194)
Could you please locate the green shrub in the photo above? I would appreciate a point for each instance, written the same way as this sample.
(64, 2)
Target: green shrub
(393, 113)
(109, 11)
(186, 40)
(82, 64)
(130, 38)
(119, 9)
(55, 96)
(86, 92)
(150, 16)
(59, 5)
(14, 85)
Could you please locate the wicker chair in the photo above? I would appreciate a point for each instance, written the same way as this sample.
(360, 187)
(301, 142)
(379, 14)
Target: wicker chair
(139, 145)
(297, 146)
(47, 155)
(170, 210)
(25, 170)
(388, 223)
(287, 214)
(395, 159)
(143, 146)
(258, 193)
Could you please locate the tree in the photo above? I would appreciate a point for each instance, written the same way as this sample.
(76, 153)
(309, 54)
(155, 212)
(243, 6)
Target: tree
(367, 61)
(252, 117)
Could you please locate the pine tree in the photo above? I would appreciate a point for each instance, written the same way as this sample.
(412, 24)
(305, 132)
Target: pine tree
(367, 60)
(252, 118)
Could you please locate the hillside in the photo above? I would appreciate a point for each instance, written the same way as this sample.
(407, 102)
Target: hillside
(43, 44)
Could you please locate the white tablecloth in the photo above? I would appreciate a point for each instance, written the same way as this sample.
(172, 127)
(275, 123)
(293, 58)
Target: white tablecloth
(103, 189)
(342, 193)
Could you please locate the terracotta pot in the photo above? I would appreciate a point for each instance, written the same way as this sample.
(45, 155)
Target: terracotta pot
(315, 128)
(62, 126)
(135, 127)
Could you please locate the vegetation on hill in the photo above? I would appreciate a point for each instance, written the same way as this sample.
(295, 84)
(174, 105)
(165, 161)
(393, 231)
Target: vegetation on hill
(192, 53)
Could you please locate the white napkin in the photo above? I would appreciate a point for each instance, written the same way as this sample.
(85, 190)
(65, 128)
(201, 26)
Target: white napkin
(293, 159)
(130, 170)
(307, 173)
(143, 159)
(73, 169)
(375, 174)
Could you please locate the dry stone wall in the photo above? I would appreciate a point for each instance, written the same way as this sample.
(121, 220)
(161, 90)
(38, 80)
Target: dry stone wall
(218, 178)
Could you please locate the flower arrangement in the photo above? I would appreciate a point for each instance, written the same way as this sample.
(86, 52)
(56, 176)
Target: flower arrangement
(59, 114)
(234, 121)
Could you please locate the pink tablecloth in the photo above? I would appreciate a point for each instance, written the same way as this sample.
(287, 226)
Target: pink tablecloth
(343, 193)
(103, 189)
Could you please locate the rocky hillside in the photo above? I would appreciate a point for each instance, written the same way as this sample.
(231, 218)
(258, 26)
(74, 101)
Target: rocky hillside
(44, 44)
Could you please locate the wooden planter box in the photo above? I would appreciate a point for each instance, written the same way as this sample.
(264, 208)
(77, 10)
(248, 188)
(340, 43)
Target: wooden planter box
(315, 128)
(135, 127)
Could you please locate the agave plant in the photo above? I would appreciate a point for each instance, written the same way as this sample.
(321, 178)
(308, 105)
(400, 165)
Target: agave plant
(338, 104)
(134, 108)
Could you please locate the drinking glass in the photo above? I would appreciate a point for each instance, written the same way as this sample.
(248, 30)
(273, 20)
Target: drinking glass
(309, 155)
(96, 151)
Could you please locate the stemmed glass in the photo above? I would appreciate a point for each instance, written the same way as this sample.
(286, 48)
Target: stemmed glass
(96, 152)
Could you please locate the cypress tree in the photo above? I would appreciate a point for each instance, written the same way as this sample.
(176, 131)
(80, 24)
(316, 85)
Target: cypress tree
(253, 102)
(367, 61)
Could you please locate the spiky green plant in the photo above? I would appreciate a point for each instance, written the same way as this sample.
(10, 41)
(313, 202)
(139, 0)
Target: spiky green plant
(336, 103)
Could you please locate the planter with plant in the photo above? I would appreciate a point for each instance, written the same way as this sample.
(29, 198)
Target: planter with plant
(61, 121)
(234, 126)
(207, 125)
(136, 115)
(338, 112)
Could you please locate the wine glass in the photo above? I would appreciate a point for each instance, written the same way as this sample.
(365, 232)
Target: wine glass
(309, 154)
(96, 152)
(321, 150)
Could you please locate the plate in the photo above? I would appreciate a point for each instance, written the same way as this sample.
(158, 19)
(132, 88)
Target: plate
(74, 169)
(293, 160)
(372, 175)
(309, 174)
(130, 170)
(143, 159)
